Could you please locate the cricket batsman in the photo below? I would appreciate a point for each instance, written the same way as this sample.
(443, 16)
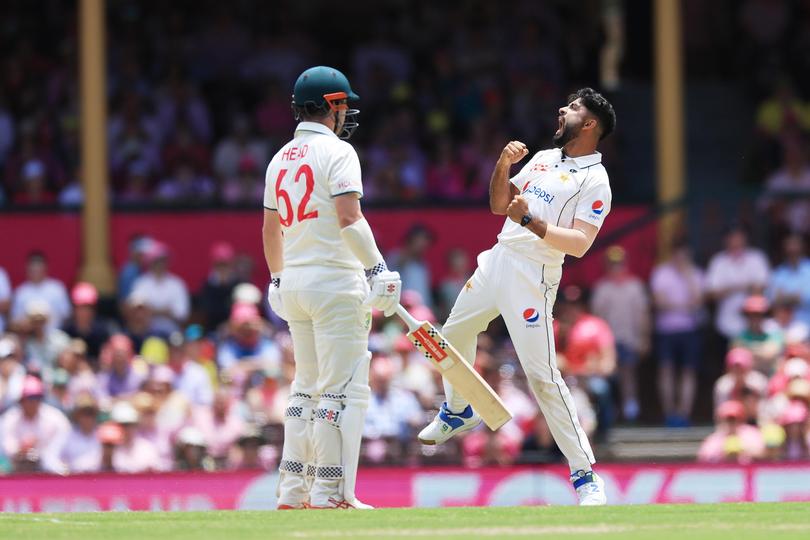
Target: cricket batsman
(327, 274)
(554, 206)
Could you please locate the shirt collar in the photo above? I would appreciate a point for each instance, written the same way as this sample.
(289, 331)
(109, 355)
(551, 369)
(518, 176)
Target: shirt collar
(316, 127)
(584, 161)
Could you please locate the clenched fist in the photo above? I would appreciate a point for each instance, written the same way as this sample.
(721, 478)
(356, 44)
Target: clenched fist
(517, 208)
(513, 152)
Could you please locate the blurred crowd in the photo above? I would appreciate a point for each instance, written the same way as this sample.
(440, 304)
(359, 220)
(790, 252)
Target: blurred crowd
(175, 381)
(199, 94)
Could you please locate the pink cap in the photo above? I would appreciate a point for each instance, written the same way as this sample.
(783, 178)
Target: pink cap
(110, 433)
(32, 387)
(155, 251)
(731, 409)
(222, 252)
(121, 341)
(739, 356)
(756, 304)
(423, 313)
(403, 344)
(162, 374)
(84, 294)
(242, 312)
(411, 298)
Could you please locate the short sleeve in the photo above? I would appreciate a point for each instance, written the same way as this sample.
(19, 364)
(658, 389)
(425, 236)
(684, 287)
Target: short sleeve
(269, 190)
(344, 174)
(594, 203)
(519, 180)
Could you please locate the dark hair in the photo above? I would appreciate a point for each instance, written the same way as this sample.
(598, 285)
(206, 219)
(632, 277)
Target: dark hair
(599, 107)
(36, 256)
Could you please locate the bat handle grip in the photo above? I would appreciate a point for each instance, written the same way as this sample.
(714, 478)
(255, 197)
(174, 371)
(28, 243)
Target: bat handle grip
(412, 323)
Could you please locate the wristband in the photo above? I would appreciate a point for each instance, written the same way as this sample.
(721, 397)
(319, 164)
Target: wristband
(378, 268)
(525, 220)
(276, 281)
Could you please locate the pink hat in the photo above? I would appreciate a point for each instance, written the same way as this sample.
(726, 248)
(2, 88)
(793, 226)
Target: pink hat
(84, 294)
(32, 387)
(423, 313)
(242, 313)
(222, 252)
(162, 374)
(755, 304)
(794, 413)
(110, 433)
(731, 409)
(156, 251)
(403, 344)
(411, 298)
(739, 356)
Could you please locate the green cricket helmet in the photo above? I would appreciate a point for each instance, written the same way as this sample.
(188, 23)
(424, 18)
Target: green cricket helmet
(322, 90)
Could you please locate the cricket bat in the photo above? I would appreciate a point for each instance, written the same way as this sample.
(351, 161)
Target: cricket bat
(456, 370)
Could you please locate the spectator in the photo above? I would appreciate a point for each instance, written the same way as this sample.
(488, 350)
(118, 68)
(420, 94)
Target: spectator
(783, 321)
(734, 274)
(410, 262)
(139, 246)
(215, 297)
(118, 377)
(43, 343)
(794, 422)
(247, 186)
(785, 187)
(414, 373)
(733, 440)
(82, 451)
(73, 360)
(586, 350)
(110, 436)
(135, 454)
(12, 372)
(165, 294)
(186, 185)
(202, 351)
(247, 350)
(5, 299)
(151, 430)
(139, 321)
(38, 286)
(190, 378)
(34, 189)
(394, 415)
(739, 379)
(791, 279)
(252, 452)
(173, 410)
(458, 263)
(765, 346)
(34, 432)
(222, 425)
(621, 301)
(677, 287)
(236, 147)
(191, 452)
(85, 324)
(539, 445)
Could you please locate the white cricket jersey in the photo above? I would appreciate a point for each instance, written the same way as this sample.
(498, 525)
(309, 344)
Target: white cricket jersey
(301, 181)
(558, 189)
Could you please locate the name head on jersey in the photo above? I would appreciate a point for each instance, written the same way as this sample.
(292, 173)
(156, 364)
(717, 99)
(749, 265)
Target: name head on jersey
(321, 94)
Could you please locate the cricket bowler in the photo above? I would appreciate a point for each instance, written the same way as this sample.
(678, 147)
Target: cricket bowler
(327, 274)
(554, 206)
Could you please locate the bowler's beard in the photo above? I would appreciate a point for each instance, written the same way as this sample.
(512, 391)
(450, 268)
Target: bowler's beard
(568, 134)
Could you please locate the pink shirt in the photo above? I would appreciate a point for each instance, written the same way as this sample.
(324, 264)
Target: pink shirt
(714, 448)
(139, 456)
(47, 433)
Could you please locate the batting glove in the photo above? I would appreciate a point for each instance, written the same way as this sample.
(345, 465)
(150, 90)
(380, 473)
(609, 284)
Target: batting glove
(274, 298)
(385, 290)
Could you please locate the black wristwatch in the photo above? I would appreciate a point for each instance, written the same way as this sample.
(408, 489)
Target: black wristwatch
(525, 220)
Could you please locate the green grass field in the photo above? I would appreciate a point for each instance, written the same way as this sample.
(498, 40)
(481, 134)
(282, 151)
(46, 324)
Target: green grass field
(685, 522)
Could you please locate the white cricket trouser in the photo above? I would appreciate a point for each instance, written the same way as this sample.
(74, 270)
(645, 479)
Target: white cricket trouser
(329, 326)
(523, 292)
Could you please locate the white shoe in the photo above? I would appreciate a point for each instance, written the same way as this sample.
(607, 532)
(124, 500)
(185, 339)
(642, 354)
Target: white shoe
(447, 424)
(335, 504)
(590, 488)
